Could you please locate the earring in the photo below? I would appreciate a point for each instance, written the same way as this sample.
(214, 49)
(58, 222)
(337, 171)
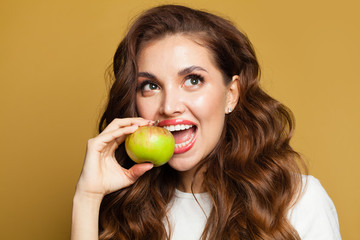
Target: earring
(229, 110)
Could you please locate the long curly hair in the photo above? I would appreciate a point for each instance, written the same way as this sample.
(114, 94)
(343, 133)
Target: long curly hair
(252, 175)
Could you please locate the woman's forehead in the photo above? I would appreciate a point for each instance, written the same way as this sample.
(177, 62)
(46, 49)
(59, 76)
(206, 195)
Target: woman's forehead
(178, 49)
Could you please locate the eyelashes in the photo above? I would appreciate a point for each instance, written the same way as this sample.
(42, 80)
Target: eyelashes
(147, 85)
(193, 80)
(190, 81)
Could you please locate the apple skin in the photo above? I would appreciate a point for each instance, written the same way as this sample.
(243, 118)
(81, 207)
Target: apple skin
(150, 144)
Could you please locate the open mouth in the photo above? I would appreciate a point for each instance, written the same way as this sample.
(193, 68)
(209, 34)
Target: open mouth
(184, 135)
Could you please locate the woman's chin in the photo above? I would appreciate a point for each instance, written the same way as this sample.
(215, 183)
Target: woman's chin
(181, 165)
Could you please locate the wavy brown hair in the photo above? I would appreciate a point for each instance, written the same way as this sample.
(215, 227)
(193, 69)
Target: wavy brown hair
(252, 175)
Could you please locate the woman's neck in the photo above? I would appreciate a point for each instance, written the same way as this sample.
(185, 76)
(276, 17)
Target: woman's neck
(190, 184)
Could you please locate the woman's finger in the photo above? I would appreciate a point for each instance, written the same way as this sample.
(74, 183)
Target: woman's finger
(137, 170)
(117, 136)
(124, 122)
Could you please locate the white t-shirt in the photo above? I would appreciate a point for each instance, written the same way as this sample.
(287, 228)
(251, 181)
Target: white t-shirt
(313, 216)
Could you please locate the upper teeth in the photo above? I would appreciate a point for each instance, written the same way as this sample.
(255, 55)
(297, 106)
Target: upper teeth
(178, 127)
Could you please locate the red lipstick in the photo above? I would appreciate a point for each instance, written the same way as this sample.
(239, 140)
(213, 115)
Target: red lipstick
(184, 132)
(169, 122)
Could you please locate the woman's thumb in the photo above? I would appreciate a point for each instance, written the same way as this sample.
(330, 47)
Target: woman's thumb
(137, 170)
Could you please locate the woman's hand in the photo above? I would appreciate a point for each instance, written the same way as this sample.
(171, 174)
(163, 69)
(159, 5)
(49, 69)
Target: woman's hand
(101, 173)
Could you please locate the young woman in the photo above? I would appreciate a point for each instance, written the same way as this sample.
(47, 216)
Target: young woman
(233, 174)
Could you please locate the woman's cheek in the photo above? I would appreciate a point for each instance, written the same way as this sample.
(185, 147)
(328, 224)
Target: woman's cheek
(200, 103)
(207, 104)
(144, 108)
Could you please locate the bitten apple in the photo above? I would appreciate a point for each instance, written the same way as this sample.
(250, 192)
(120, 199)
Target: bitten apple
(150, 144)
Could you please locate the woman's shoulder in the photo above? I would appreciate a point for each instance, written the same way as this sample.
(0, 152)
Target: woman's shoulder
(314, 214)
(313, 192)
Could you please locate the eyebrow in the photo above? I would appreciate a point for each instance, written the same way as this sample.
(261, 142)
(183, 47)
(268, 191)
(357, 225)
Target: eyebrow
(190, 70)
(182, 72)
(146, 75)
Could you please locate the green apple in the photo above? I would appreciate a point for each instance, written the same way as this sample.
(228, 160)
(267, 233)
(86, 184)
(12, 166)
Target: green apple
(150, 144)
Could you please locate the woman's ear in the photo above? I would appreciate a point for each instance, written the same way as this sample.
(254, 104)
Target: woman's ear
(233, 94)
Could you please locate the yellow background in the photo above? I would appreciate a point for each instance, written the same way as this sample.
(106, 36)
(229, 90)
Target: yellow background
(53, 55)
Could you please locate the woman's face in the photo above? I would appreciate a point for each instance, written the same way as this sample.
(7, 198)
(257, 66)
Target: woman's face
(179, 85)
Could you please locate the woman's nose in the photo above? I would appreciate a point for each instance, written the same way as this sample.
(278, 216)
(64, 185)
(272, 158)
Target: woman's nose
(172, 104)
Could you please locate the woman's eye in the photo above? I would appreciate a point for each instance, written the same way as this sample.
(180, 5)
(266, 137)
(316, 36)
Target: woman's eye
(193, 81)
(149, 87)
